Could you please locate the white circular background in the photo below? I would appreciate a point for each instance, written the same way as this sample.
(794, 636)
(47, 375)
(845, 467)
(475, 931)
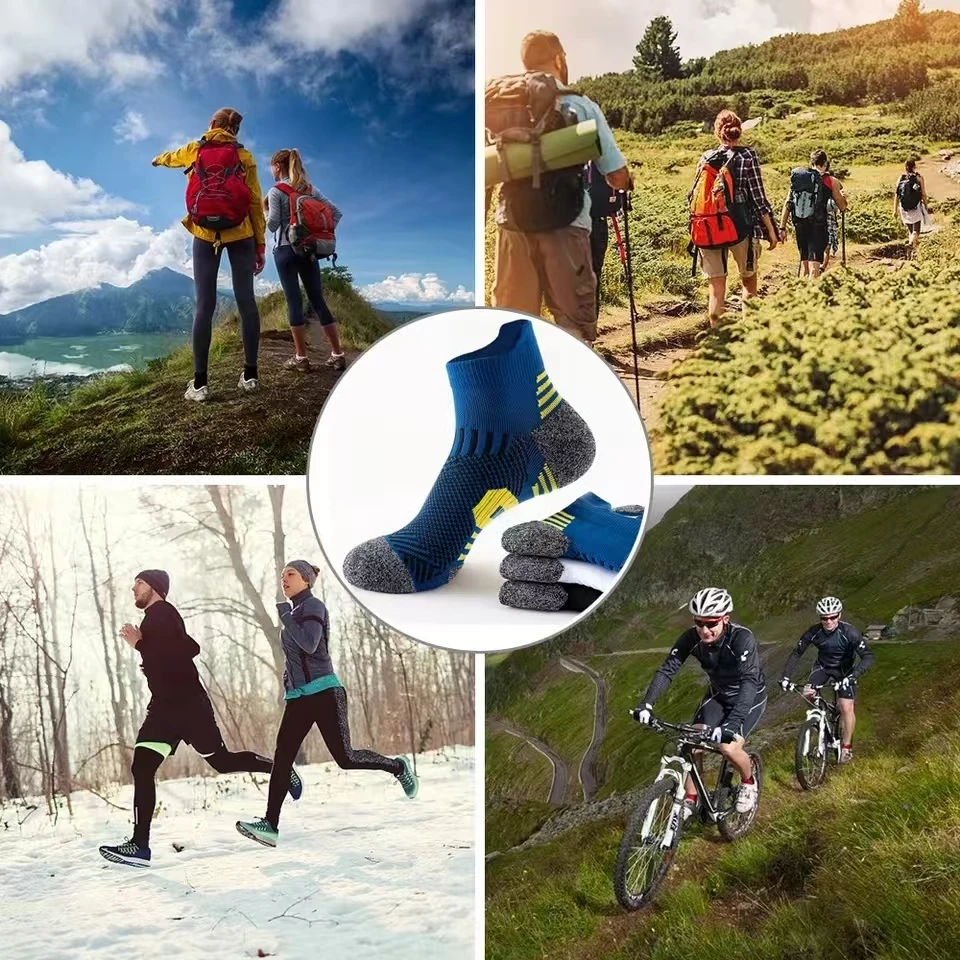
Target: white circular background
(385, 432)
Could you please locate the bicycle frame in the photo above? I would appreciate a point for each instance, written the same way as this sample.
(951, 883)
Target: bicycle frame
(820, 710)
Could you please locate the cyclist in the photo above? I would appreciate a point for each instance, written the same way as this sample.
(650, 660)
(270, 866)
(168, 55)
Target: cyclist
(839, 645)
(737, 695)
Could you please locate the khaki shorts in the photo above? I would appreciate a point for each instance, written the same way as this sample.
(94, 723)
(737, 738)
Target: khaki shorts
(713, 260)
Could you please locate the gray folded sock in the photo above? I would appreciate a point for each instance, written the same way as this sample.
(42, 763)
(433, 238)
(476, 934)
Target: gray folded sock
(535, 538)
(550, 597)
(516, 566)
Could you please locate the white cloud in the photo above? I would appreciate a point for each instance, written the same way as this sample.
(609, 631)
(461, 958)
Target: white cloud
(416, 288)
(117, 251)
(262, 287)
(35, 194)
(131, 128)
(95, 37)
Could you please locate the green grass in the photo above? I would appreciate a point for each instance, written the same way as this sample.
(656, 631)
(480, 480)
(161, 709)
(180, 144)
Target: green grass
(508, 822)
(866, 867)
(516, 770)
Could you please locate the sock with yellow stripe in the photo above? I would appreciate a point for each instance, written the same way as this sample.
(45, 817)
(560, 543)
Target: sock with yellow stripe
(589, 529)
(515, 438)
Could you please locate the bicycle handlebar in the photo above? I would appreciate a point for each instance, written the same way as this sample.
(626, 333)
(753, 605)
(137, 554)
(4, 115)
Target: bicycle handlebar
(696, 735)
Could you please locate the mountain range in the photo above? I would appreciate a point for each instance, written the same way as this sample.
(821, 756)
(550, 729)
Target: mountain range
(163, 300)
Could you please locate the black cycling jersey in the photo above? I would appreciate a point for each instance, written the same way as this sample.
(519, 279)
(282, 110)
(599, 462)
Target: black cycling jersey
(732, 663)
(837, 651)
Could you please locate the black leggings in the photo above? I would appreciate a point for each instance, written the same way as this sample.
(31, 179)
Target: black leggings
(146, 763)
(328, 710)
(206, 266)
(599, 238)
(292, 268)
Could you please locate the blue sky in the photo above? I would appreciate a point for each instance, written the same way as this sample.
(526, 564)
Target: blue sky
(376, 94)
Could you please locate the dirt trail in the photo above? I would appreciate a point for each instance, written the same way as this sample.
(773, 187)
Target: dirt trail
(587, 772)
(561, 775)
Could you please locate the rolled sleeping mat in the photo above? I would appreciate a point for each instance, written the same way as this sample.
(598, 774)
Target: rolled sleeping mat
(568, 147)
(548, 597)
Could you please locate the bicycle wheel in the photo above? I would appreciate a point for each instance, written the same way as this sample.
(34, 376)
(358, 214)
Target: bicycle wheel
(733, 825)
(810, 756)
(643, 860)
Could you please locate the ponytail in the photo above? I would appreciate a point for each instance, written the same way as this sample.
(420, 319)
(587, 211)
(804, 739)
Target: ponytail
(290, 163)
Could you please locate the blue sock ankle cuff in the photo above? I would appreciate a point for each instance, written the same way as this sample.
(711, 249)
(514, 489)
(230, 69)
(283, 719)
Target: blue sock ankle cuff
(598, 534)
(502, 387)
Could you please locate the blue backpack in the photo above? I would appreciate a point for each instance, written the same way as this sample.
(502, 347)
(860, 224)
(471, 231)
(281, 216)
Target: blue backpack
(808, 195)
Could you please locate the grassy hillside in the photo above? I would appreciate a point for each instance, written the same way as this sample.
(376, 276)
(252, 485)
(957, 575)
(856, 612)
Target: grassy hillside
(823, 875)
(139, 423)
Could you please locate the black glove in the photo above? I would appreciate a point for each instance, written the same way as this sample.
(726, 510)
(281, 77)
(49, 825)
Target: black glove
(284, 607)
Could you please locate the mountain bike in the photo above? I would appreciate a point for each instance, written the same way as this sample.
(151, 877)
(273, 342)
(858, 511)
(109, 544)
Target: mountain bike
(650, 841)
(819, 738)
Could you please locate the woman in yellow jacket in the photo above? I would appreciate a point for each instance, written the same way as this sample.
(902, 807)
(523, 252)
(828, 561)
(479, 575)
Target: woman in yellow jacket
(244, 242)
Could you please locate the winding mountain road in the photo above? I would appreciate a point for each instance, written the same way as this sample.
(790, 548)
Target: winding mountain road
(561, 774)
(587, 773)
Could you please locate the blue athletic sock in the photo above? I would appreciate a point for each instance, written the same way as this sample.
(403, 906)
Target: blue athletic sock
(589, 529)
(515, 438)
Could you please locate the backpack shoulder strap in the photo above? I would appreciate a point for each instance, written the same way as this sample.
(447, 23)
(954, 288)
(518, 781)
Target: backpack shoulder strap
(291, 196)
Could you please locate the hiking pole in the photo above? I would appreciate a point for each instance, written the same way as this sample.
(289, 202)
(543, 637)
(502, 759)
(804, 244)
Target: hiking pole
(843, 237)
(623, 246)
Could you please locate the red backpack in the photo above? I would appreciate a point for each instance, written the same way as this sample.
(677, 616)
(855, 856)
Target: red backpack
(311, 228)
(218, 197)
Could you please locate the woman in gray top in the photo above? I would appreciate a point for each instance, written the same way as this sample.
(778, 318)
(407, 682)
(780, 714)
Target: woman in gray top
(292, 267)
(312, 695)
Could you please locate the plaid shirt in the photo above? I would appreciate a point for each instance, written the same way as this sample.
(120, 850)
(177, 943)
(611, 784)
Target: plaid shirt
(745, 167)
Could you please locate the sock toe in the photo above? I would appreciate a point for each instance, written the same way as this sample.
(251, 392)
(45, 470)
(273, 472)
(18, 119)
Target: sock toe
(536, 539)
(373, 565)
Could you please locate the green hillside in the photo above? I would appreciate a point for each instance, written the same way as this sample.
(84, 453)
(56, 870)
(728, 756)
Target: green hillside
(139, 423)
(822, 875)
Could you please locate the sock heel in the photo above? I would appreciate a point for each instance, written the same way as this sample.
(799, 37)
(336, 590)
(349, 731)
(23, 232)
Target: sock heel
(566, 444)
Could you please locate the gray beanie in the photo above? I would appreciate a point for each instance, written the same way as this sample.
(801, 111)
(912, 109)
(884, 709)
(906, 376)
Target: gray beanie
(305, 569)
(158, 579)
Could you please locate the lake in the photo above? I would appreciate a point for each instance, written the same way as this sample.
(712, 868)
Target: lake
(80, 356)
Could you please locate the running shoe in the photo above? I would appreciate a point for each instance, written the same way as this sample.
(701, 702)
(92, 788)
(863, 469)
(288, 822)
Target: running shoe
(248, 385)
(260, 830)
(337, 360)
(196, 393)
(300, 364)
(408, 779)
(746, 797)
(296, 784)
(128, 853)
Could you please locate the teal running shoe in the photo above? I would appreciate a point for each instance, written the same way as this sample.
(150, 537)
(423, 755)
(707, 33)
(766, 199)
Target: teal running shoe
(408, 779)
(263, 831)
(128, 853)
(296, 784)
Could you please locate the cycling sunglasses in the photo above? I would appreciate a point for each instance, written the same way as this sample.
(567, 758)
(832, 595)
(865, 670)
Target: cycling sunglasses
(831, 616)
(702, 624)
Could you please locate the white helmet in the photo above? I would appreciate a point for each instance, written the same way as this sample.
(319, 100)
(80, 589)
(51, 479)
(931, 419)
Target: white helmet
(711, 602)
(828, 606)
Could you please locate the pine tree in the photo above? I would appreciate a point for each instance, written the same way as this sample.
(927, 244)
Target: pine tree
(657, 53)
(909, 25)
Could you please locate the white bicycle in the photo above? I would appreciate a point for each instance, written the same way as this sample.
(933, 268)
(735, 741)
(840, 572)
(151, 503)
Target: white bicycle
(819, 739)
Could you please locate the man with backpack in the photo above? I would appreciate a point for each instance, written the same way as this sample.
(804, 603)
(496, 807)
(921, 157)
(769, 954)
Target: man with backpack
(224, 212)
(811, 189)
(729, 213)
(544, 222)
(910, 202)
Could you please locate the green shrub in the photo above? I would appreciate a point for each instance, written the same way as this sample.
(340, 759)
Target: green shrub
(856, 374)
(935, 112)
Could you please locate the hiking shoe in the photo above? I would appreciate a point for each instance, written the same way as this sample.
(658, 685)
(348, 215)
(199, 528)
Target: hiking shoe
(300, 364)
(746, 797)
(846, 754)
(337, 360)
(296, 785)
(248, 385)
(408, 779)
(263, 831)
(128, 853)
(689, 809)
(196, 393)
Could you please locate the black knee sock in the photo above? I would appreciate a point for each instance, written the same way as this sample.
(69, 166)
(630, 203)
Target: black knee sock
(199, 380)
(249, 373)
(146, 762)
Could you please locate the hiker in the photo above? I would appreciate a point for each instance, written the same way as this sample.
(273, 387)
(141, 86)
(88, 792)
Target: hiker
(543, 232)
(312, 695)
(744, 223)
(910, 202)
(297, 260)
(223, 212)
(179, 710)
(603, 204)
(811, 189)
(833, 218)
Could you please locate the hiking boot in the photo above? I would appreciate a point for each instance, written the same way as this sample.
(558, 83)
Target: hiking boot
(196, 393)
(300, 364)
(262, 830)
(337, 361)
(248, 386)
(408, 779)
(846, 754)
(296, 784)
(746, 797)
(128, 853)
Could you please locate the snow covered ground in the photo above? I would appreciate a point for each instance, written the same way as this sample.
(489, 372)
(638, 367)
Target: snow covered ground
(359, 872)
